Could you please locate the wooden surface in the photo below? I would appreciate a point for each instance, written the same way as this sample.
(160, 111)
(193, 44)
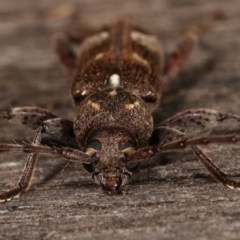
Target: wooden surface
(174, 200)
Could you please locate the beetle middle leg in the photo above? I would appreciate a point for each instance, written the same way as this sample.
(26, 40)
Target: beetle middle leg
(199, 121)
(56, 129)
(29, 116)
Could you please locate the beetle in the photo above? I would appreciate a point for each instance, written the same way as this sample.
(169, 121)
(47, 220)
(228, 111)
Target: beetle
(118, 76)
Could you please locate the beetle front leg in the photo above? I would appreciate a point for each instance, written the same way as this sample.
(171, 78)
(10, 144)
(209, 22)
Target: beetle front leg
(220, 176)
(25, 180)
(148, 152)
(33, 149)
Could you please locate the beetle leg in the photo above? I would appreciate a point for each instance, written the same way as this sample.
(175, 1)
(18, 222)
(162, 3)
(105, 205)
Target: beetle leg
(193, 122)
(186, 45)
(59, 131)
(148, 152)
(29, 116)
(25, 180)
(181, 130)
(66, 54)
(178, 57)
(67, 43)
(215, 171)
(35, 148)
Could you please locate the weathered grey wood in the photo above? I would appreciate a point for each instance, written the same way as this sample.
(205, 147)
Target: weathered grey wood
(177, 200)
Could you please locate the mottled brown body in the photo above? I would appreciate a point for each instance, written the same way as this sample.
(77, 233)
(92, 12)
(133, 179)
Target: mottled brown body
(132, 53)
(116, 87)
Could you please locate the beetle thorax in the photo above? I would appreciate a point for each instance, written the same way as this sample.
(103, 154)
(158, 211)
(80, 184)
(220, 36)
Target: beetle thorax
(113, 108)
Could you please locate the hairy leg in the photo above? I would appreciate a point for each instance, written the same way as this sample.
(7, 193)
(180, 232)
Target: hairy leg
(34, 149)
(148, 152)
(25, 180)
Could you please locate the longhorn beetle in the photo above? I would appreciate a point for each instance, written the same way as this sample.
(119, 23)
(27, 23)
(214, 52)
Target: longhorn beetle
(117, 77)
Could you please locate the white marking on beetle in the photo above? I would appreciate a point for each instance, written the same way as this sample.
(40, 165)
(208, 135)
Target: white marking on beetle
(151, 42)
(94, 105)
(90, 151)
(114, 80)
(93, 40)
(130, 106)
(147, 40)
(140, 59)
(99, 56)
(83, 93)
(113, 93)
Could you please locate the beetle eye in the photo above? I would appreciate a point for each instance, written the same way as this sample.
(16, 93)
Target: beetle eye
(123, 146)
(93, 147)
(126, 146)
(95, 144)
